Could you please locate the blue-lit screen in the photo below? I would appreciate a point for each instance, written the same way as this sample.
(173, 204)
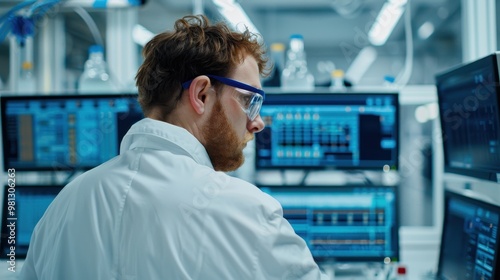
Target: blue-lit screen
(470, 240)
(469, 110)
(65, 132)
(351, 131)
(343, 224)
(30, 205)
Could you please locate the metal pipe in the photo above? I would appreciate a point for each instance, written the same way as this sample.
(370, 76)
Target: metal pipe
(14, 60)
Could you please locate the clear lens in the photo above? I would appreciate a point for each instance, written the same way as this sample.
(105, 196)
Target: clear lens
(255, 105)
(250, 102)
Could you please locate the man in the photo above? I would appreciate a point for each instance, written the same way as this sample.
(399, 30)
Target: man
(163, 209)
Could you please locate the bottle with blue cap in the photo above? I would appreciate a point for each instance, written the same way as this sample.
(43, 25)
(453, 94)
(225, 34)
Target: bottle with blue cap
(296, 76)
(95, 78)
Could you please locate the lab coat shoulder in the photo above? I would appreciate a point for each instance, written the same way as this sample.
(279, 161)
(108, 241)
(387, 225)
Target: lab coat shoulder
(254, 221)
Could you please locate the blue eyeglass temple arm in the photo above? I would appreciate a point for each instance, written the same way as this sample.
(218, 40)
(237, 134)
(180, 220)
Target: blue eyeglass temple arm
(230, 82)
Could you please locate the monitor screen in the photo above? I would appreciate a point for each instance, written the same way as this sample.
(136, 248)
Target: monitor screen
(22, 208)
(329, 130)
(470, 239)
(468, 105)
(64, 132)
(352, 224)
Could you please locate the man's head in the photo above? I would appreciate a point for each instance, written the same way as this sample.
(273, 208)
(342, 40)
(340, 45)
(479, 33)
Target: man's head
(193, 76)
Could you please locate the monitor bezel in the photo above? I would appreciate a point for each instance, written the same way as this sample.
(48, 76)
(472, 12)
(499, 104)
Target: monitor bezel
(463, 196)
(271, 97)
(350, 188)
(490, 175)
(4, 99)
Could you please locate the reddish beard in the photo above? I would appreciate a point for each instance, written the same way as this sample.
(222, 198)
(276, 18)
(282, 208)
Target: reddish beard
(223, 146)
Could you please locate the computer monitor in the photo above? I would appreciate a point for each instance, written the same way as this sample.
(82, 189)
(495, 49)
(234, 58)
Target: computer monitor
(344, 224)
(64, 132)
(329, 130)
(22, 208)
(468, 106)
(470, 240)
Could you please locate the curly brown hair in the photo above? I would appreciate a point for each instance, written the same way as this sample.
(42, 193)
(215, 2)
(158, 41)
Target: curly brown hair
(195, 47)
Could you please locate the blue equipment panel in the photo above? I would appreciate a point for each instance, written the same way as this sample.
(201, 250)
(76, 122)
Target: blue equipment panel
(65, 132)
(344, 223)
(331, 130)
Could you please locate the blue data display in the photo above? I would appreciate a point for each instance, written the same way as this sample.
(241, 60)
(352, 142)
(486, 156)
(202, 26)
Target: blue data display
(473, 225)
(470, 118)
(31, 202)
(357, 131)
(32, 205)
(358, 224)
(71, 132)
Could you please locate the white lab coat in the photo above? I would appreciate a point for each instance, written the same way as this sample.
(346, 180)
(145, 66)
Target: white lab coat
(160, 211)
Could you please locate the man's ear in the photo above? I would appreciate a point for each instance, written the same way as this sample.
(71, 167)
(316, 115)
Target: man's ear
(198, 90)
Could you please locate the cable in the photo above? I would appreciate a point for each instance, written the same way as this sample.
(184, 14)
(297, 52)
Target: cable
(91, 24)
(15, 9)
(97, 38)
(304, 178)
(5, 20)
(43, 7)
(404, 76)
(23, 25)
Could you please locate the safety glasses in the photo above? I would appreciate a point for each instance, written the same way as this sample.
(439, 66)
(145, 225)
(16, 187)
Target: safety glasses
(251, 98)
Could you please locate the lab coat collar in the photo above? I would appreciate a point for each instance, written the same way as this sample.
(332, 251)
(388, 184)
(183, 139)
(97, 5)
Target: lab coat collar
(154, 134)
